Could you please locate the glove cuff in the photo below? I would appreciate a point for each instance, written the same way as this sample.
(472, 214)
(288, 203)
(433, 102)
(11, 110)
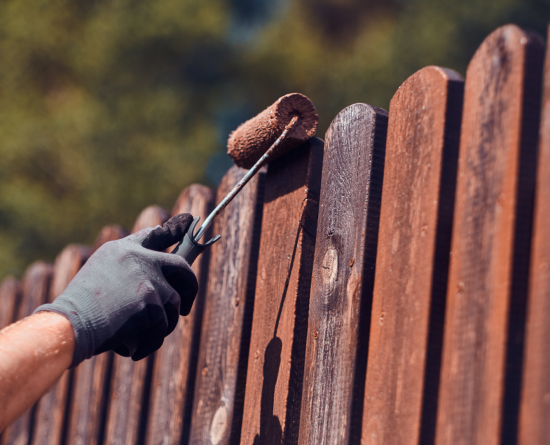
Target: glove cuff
(74, 301)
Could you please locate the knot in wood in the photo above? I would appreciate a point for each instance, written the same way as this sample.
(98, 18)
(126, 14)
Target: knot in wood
(218, 427)
(329, 268)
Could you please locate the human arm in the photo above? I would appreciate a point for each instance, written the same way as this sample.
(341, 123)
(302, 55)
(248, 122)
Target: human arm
(126, 298)
(34, 353)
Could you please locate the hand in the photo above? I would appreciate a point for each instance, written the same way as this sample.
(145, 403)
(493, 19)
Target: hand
(129, 293)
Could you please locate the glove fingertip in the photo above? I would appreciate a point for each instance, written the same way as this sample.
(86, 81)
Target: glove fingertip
(185, 308)
(122, 350)
(170, 233)
(184, 282)
(172, 315)
(147, 348)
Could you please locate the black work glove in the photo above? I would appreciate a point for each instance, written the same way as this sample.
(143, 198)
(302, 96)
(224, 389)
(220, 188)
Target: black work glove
(129, 294)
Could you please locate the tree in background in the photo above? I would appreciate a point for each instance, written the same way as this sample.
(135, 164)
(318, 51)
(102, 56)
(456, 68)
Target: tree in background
(107, 106)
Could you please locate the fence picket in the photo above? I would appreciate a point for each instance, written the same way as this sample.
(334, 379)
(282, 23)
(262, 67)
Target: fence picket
(9, 290)
(487, 286)
(229, 299)
(279, 327)
(92, 381)
(51, 411)
(343, 276)
(359, 293)
(176, 362)
(535, 406)
(412, 260)
(36, 285)
(130, 381)
(10, 296)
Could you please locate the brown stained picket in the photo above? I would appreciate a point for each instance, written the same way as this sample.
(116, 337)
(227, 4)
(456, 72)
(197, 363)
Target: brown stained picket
(534, 428)
(412, 261)
(487, 286)
(343, 277)
(229, 300)
(92, 381)
(10, 290)
(130, 381)
(10, 296)
(51, 411)
(151, 216)
(279, 329)
(176, 362)
(447, 361)
(36, 285)
(109, 233)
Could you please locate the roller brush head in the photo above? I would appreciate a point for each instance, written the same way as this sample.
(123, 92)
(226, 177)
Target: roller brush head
(248, 143)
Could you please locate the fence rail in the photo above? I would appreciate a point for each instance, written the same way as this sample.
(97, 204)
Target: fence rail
(389, 285)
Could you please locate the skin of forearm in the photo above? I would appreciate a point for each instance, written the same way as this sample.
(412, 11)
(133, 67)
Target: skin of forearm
(34, 353)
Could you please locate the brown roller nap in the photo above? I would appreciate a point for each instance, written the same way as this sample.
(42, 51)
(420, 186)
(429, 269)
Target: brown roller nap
(253, 138)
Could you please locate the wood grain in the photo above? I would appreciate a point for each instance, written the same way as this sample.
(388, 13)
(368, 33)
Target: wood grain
(175, 367)
(131, 381)
(10, 296)
(109, 233)
(487, 287)
(36, 285)
(92, 381)
(51, 411)
(151, 216)
(412, 262)
(534, 426)
(343, 277)
(229, 299)
(277, 345)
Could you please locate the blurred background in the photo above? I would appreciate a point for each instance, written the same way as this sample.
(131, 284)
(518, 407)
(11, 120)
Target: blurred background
(107, 106)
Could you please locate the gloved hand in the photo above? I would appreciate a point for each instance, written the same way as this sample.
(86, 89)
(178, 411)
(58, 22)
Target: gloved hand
(129, 294)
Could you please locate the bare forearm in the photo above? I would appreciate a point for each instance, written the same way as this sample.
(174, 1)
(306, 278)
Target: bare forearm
(34, 353)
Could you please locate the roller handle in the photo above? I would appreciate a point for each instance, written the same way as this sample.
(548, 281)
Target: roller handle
(189, 248)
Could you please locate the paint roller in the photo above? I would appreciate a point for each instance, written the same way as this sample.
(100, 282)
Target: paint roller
(286, 124)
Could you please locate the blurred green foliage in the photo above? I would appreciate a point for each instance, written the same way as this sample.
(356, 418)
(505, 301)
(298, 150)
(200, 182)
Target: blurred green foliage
(107, 106)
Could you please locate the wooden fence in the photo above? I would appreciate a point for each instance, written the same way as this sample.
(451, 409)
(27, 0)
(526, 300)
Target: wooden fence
(389, 285)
